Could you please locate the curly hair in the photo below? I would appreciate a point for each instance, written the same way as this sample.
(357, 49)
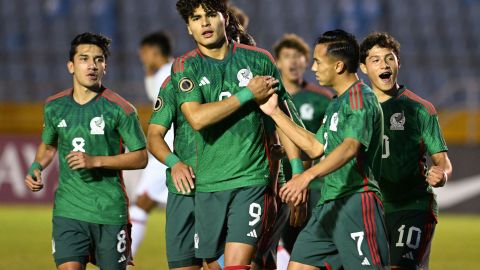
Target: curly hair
(187, 7)
(380, 39)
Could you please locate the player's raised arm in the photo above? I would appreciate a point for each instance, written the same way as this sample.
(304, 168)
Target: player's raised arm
(201, 115)
(304, 139)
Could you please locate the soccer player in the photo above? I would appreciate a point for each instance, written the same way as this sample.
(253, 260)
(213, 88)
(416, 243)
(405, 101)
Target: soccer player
(156, 56)
(347, 226)
(88, 125)
(292, 55)
(411, 131)
(216, 90)
(180, 217)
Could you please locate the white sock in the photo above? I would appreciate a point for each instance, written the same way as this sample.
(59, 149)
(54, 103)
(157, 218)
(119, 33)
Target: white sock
(283, 257)
(138, 217)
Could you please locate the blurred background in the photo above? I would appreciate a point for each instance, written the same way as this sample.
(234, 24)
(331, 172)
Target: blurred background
(440, 57)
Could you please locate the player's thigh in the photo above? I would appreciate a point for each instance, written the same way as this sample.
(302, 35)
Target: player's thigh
(70, 241)
(180, 231)
(314, 245)
(360, 232)
(211, 212)
(112, 246)
(411, 234)
(245, 215)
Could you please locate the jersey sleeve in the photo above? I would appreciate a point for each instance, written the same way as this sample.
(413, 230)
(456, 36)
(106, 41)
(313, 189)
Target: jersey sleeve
(131, 131)
(431, 132)
(49, 134)
(359, 124)
(184, 82)
(164, 109)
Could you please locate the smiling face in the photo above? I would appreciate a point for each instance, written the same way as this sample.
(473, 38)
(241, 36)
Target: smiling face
(88, 66)
(381, 66)
(292, 64)
(207, 28)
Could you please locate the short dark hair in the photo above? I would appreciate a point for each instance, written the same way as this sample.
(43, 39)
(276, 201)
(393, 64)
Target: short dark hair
(380, 39)
(90, 38)
(160, 40)
(343, 46)
(292, 41)
(186, 7)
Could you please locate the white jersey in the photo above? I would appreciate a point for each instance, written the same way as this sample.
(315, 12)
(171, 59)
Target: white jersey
(153, 179)
(155, 81)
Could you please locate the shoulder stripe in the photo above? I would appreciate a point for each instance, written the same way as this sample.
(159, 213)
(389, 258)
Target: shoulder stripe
(165, 82)
(260, 50)
(117, 99)
(59, 95)
(429, 106)
(356, 100)
(317, 89)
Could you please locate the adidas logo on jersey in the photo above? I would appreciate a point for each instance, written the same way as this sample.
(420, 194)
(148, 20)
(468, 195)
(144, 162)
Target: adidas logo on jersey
(253, 233)
(204, 81)
(62, 123)
(365, 261)
(122, 259)
(408, 255)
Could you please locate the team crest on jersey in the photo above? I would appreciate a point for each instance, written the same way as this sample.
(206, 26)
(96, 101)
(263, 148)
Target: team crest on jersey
(397, 121)
(244, 76)
(97, 125)
(334, 122)
(186, 85)
(158, 104)
(306, 112)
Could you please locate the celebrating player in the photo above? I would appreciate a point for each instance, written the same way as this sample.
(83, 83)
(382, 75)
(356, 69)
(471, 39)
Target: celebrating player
(347, 226)
(411, 130)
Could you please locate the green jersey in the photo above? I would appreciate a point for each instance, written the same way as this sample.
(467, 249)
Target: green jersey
(166, 112)
(411, 131)
(311, 102)
(354, 114)
(231, 153)
(100, 127)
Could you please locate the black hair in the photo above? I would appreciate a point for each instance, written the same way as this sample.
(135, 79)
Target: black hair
(236, 32)
(90, 38)
(342, 46)
(380, 39)
(160, 40)
(187, 7)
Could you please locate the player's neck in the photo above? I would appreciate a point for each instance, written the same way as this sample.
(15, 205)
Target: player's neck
(383, 96)
(344, 82)
(83, 95)
(218, 51)
(293, 86)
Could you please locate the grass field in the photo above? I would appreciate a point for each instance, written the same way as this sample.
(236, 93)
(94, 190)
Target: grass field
(25, 241)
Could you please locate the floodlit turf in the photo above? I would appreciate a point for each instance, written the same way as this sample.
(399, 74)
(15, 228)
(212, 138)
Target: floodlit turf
(26, 230)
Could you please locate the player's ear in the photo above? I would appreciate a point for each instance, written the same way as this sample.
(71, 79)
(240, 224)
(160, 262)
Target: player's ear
(105, 69)
(340, 67)
(70, 67)
(363, 68)
(189, 31)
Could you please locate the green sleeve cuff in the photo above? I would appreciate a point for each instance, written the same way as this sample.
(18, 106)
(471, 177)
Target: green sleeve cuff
(35, 165)
(244, 96)
(171, 160)
(297, 165)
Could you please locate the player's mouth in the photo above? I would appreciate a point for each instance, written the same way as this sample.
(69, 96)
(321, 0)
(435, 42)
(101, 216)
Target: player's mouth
(92, 76)
(386, 76)
(207, 33)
